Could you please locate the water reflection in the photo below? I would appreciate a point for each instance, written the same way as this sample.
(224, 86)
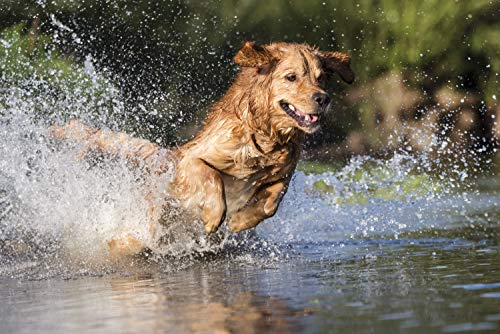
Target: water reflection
(193, 304)
(444, 285)
(183, 302)
(443, 278)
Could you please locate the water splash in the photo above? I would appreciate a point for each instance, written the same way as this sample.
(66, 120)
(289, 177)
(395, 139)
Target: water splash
(57, 212)
(372, 197)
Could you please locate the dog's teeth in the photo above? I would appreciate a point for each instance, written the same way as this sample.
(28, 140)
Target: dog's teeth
(291, 107)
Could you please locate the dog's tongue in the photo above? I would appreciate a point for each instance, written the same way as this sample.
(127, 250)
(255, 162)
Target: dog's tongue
(308, 117)
(311, 118)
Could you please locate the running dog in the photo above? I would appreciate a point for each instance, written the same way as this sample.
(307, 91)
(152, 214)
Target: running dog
(240, 163)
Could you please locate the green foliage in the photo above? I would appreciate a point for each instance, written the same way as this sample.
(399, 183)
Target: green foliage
(26, 56)
(185, 47)
(29, 59)
(315, 167)
(381, 35)
(323, 187)
(370, 180)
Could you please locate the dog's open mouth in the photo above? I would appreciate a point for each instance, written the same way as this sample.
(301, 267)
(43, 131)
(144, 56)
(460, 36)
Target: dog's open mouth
(306, 120)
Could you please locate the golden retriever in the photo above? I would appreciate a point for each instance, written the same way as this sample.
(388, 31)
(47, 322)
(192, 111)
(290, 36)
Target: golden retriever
(240, 163)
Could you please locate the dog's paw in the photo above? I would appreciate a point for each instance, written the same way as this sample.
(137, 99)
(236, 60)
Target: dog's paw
(212, 218)
(237, 223)
(211, 227)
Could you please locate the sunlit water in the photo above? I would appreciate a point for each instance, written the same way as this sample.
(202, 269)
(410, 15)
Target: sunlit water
(441, 279)
(351, 259)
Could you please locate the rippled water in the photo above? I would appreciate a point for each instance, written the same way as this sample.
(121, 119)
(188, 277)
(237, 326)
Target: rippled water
(309, 269)
(440, 285)
(393, 245)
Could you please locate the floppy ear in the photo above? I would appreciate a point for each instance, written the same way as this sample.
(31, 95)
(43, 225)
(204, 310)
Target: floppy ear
(338, 62)
(252, 55)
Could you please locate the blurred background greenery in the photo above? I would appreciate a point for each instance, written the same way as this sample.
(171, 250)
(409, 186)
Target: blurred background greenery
(427, 71)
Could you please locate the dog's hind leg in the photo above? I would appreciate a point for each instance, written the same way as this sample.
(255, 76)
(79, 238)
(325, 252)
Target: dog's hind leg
(262, 205)
(114, 143)
(123, 246)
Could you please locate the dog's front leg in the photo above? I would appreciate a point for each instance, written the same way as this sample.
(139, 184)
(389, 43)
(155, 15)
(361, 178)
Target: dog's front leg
(262, 205)
(201, 190)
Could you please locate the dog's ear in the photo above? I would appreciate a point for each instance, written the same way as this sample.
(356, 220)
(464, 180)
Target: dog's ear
(334, 61)
(253, 55)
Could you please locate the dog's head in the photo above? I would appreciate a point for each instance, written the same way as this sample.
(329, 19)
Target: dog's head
(287, 82)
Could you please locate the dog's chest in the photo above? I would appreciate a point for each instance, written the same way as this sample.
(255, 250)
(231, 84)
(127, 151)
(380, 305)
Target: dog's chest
(243, 180)
(263, 164)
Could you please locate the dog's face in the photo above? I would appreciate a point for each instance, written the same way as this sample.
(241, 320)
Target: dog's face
(294, 78)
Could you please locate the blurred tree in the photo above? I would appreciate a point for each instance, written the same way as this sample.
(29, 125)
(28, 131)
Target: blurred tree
(173, 56)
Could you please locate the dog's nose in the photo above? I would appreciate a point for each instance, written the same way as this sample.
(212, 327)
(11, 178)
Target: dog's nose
(321, 99)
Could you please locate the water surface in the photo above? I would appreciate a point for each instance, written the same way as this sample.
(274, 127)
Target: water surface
(403, 244)
(440, 273)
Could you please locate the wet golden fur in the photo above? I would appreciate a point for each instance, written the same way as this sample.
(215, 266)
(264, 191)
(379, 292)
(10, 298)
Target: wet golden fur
(240, 163)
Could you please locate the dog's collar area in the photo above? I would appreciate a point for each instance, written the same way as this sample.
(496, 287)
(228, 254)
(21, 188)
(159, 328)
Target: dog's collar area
(305, 120)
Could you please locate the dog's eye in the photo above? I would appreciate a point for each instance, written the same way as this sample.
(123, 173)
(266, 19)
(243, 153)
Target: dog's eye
(291, 77)
(321, 78)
